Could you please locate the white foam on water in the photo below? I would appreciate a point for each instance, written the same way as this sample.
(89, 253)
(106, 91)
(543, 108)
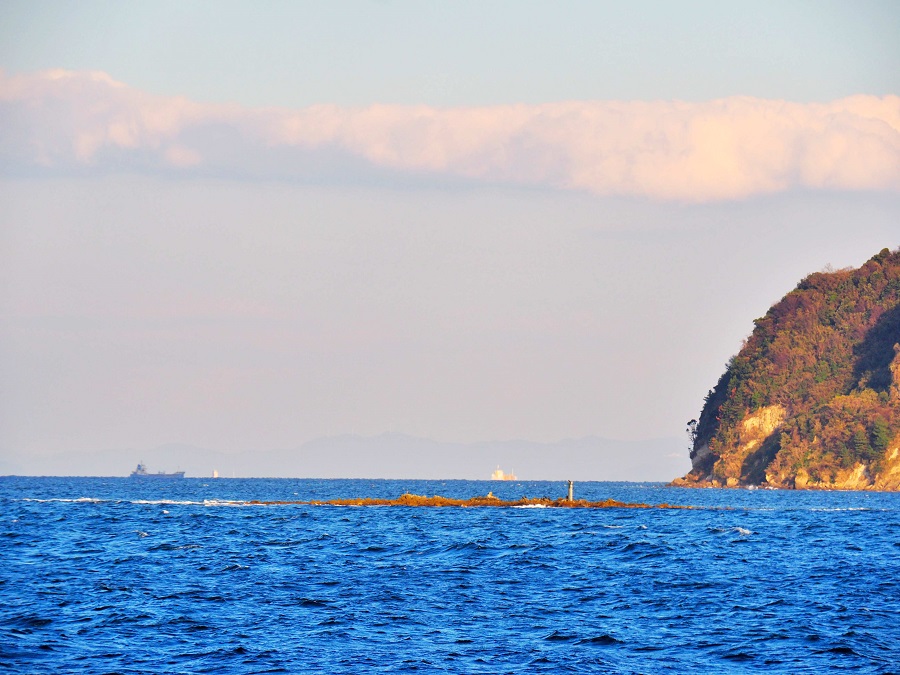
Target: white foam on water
(83, 500)
(224, 502)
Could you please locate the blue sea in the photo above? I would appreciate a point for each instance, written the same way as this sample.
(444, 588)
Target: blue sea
(116, 575)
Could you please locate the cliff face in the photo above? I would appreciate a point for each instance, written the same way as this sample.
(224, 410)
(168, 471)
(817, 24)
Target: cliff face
(813, 398)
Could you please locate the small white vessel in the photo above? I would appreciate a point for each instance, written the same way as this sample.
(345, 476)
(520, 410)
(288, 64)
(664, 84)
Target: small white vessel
(499, 474)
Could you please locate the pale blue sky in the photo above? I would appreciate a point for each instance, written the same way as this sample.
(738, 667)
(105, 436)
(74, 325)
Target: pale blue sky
(465, 53)
(243, 280)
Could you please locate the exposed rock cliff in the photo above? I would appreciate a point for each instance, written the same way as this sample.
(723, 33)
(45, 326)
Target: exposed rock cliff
(813, 398)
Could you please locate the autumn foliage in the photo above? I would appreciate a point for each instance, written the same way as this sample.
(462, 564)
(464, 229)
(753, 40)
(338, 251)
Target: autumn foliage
(827, 355)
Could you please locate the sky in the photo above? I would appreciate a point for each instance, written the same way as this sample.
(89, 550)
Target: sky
(243, 227)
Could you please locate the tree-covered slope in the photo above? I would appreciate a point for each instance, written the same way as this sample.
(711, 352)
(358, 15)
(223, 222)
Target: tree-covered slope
(813, 397)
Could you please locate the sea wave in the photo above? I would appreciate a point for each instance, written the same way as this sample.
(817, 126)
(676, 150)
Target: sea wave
(164, 578)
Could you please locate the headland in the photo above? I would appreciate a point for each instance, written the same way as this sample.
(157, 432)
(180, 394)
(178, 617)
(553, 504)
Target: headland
(812, 400)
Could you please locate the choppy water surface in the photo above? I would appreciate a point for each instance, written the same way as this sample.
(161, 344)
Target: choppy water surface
(124, 576)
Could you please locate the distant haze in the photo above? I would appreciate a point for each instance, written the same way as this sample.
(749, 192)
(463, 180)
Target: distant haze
(396, 239)
(364, 457)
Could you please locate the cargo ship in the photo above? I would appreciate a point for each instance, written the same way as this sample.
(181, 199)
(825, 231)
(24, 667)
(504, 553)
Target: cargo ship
(141, 472)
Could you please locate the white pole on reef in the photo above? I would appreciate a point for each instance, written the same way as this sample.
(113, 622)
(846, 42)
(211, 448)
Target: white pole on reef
(571, 490)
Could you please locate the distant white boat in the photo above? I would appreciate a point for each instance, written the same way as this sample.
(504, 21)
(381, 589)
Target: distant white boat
(499, 474)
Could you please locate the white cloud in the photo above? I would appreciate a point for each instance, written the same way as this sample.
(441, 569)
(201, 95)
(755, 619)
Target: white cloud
(178, 155)
(724, 149)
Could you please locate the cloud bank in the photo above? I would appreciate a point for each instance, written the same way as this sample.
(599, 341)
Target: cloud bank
(63, 121)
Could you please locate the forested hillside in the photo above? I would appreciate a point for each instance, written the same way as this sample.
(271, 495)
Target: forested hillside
(813, 397)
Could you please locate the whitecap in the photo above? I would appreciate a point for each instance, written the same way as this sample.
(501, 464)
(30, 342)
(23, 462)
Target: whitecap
(90, 500)
(228, 502)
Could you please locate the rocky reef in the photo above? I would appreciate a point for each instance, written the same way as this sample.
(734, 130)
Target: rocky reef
(812, 400)
(488, 500)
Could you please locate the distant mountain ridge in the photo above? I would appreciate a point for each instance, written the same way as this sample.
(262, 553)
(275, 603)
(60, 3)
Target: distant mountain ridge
(388, 455)
(812, 400)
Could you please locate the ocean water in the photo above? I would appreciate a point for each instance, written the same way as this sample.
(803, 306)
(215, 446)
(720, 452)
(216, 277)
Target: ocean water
(122, 576)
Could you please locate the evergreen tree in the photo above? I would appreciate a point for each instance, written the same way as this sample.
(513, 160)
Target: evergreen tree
(861, 444)
(881, 435)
